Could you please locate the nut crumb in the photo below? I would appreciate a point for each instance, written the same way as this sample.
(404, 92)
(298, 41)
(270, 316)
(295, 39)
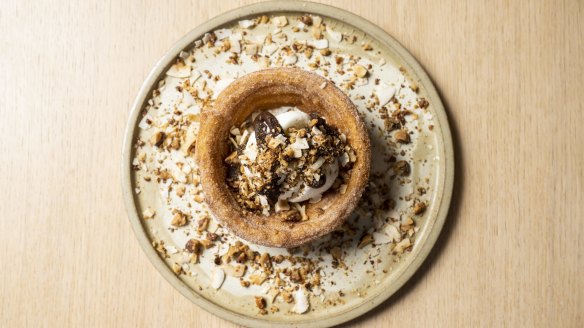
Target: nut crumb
(177, 269)
(419, 208)
(178, 220)
(306, 19)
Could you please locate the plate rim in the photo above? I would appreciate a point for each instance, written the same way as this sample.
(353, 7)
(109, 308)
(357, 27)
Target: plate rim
(446, 161)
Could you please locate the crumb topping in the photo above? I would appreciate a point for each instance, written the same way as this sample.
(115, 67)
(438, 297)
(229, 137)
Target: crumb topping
(270, 166)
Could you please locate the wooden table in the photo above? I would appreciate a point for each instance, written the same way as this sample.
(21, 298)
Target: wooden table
(511, 74)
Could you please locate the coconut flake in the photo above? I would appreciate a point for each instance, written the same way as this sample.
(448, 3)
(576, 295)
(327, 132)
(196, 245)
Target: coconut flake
(344, 159)
(246, 23)
(280, 21)
(381, 238)
(290, 60)
(184, 54)
(235, 45)
(180, 70)
(265, 205)
(223, 33)
(251, 151)
(384, 94)
(334, 35)
(319, 44)
(281, 138)
(269, 49)
(171, 249)
(218, 278)
(187, 100)
(207, 37)
(300, 143)
(316, 20)
(195, 75)
(393, 233)
(237, 270)
(318, 163)
(301, 302)
(243, 138)
(251, 49)
(260, 39)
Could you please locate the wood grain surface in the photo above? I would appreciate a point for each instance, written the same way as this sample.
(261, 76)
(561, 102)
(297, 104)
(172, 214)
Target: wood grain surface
(511, 74)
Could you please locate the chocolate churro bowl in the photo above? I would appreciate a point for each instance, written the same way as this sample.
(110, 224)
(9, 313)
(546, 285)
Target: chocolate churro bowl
(273, 194)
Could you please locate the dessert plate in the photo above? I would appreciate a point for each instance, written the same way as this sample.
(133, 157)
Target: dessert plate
(343, 274)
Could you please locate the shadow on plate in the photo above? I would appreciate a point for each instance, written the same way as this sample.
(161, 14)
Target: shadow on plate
(447, 231)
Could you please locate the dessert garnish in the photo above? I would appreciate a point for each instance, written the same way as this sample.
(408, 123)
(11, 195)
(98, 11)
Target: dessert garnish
(284, 157)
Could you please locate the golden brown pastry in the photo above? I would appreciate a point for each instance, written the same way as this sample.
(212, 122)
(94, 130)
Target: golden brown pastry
(264, 90)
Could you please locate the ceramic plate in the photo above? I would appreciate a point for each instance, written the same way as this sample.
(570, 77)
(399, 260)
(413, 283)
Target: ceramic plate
(335, 278)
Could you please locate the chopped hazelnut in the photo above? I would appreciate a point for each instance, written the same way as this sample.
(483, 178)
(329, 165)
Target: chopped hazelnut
(360, 71)
(177, 269)
(178, 220)
(419, 208)
(260, 302)
(402, 136)
(193, 246)
(306, 19)
(325, 52)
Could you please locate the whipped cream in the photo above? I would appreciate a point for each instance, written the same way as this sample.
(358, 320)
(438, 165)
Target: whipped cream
(292, 117)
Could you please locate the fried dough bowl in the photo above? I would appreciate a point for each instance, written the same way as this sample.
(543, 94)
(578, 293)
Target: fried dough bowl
(264, 90)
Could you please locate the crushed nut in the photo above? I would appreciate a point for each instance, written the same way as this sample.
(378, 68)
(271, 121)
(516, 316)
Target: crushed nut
(423, 103)
(402, 136)
(157, 138)
(360, 71)
(177, 269)
(179, 219)
(260, 302)
(306, 19)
